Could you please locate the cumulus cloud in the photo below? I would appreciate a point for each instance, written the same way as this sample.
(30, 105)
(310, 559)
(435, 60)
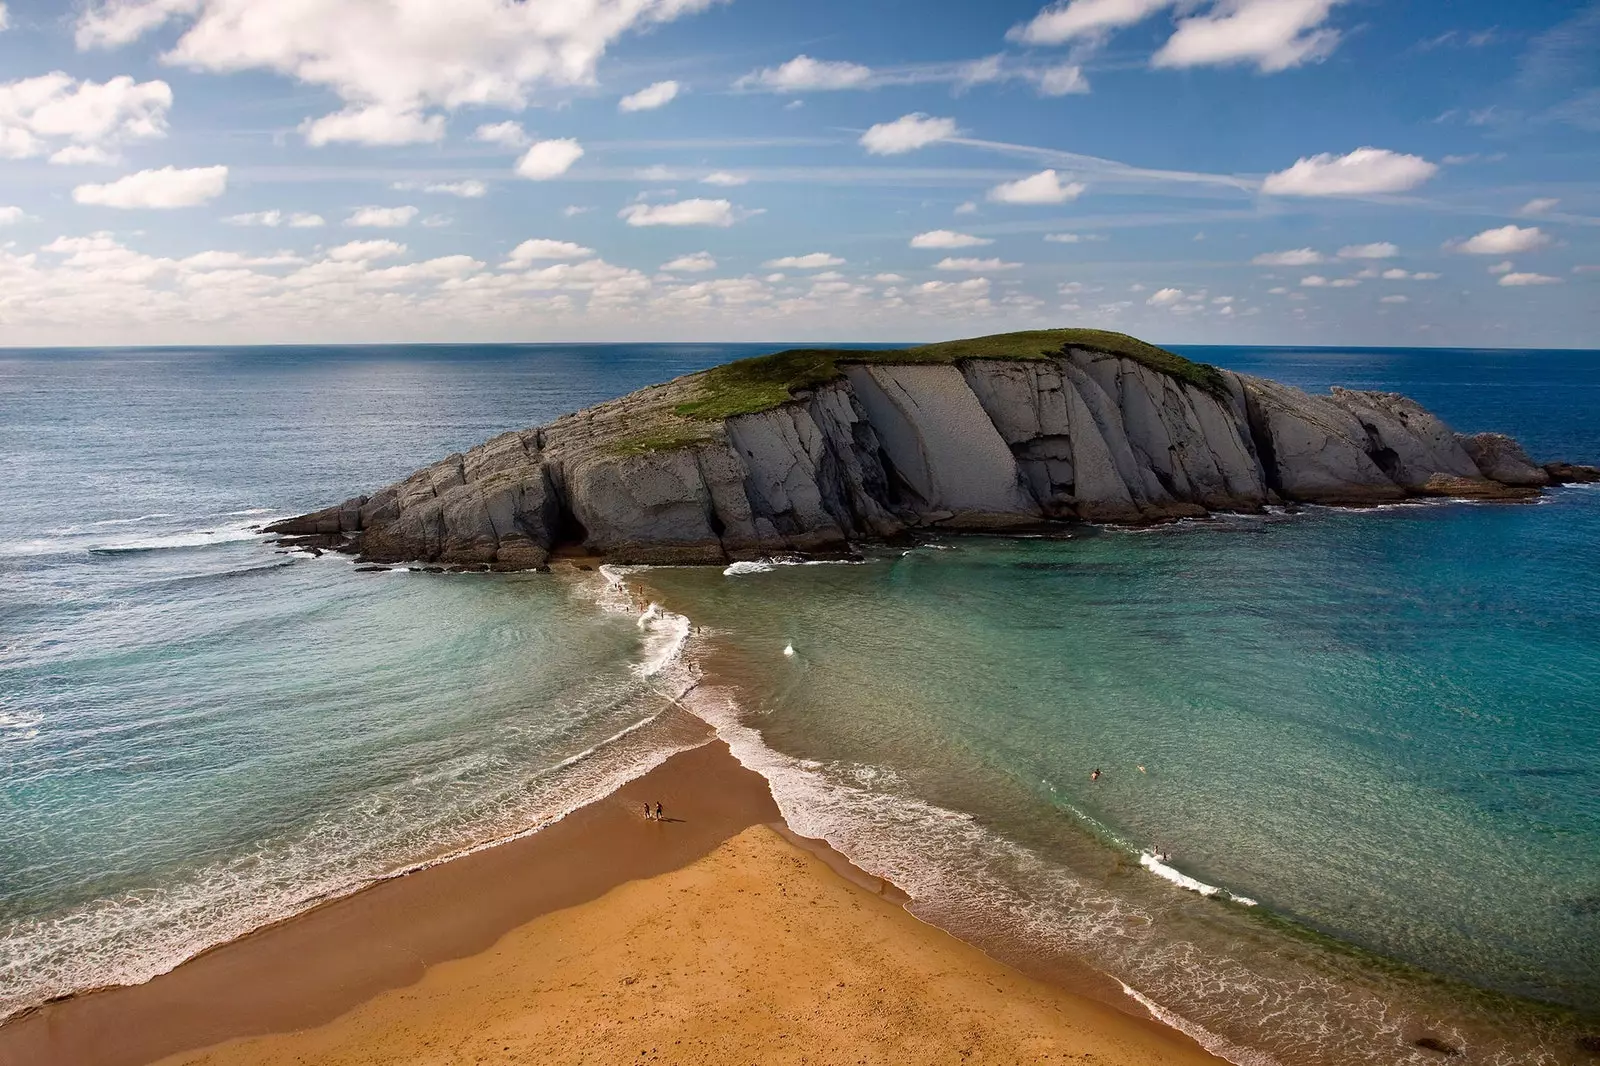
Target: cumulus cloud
(10, 216)
(804, 74)
(1397, 274)
(505, 134)
(467, 190)
(811, 261)
(1165, 297)
(1363, 172)
(1505, 267)
(943, 238)
(1519, 280)
(1314, 281)
(1045, 187)
(973, 266)
(1273, 34)
(1074, 19)
(549, 159)
(1395, 300)
(724, 178)
(373, 125)
(80, 121)
(5, 17)
(540, 248)
(694, 212)
(359, 251)
(396, 64)
(1507, 240)
(168, 187)
(907, 133)
(695, 263)
(650, 97)
(382, 217)
(1064, 79)
(1377, 250)
(1293, 258)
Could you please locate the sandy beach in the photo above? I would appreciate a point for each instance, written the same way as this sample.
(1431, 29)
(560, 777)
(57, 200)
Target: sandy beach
(708, 937)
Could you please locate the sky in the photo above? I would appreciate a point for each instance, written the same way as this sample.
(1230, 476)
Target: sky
(1316, 172)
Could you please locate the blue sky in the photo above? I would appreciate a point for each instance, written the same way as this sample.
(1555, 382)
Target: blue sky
(1227, 171)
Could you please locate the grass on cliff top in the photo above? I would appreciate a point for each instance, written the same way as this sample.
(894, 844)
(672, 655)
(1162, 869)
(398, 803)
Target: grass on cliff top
(767, 381)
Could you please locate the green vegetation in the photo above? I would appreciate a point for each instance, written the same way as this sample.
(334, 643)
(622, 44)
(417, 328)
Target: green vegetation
(759, 384)
(764, 382)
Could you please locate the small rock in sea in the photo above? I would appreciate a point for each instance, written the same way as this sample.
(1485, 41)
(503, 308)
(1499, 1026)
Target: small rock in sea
(1590, 1043)
(1428, 1043)
(372, 569)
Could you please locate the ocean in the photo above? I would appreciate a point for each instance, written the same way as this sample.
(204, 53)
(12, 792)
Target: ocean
(1350, 788)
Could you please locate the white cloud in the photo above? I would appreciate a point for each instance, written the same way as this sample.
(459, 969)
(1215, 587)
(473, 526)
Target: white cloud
(695, 212)
(82, 155)
(360, 251)
(394, 63)
(724, 178)
(306, 220)
(888, 279)
(573, 211)
(1507, 240)
(10, 216)
(1395, 300)
(549, 159)
(373, 125)
(1044, 187)
(1520, 280)
(538, 248)
(966, 207)
(943, 238)
(907, 133)
(217, 260)
(256, 218)
(1505, 267)
(694, 263)
(437, 221)
(1064, 79)
(1363, 172)
(1292, 258)
(1165, 297)
(1273, 34)
(649, 98)
(656, 172)
(1314, 281)
(1343, 283)
(165, 188)
(37, 114)
(1541, 205)
(382, 217)
(1396, 274)
(1379, 250)
(505, 134)
(812, 261)
(1071, 19)
(973, 266)
(5, 17)
(467, 190)
(804, 74)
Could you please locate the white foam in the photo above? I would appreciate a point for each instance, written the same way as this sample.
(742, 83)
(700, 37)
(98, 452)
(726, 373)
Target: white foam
(1156, 865)
(749, 566)
(1239, 1056)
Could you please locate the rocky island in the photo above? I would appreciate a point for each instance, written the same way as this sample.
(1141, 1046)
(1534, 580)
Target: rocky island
(813, 450)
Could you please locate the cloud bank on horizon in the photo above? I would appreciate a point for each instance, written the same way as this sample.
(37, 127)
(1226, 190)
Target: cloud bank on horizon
(1230, 171)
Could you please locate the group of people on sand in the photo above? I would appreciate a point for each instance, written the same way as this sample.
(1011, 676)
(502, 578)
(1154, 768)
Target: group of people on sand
(654, 816)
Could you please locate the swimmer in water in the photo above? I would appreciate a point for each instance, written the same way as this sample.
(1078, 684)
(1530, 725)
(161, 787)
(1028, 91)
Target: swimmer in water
(1095, 774)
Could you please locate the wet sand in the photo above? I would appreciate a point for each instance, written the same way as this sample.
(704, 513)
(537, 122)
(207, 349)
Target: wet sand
(709, 937)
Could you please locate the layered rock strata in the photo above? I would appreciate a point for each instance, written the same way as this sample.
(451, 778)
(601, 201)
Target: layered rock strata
(890, 449)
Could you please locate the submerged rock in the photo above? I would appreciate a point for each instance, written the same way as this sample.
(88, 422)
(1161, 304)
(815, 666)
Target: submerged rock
(811, 451)
(1572, 474)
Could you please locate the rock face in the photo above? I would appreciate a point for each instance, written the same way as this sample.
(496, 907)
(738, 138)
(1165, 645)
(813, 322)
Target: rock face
(889, 449)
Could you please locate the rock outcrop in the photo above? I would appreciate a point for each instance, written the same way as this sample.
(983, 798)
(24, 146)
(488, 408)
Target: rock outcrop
(885, 449)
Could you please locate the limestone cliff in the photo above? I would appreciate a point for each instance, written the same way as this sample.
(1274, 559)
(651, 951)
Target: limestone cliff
(811, 452)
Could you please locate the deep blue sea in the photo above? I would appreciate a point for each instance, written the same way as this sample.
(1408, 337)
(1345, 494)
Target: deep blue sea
(1368, 743)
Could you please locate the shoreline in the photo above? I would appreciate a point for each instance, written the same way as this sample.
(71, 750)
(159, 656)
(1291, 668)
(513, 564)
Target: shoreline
(328, 964)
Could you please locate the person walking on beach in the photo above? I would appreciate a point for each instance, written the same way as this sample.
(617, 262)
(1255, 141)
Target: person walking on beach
(647, 812)
(658, 813)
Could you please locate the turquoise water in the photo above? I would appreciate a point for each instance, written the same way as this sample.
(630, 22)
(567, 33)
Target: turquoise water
(1381, 729)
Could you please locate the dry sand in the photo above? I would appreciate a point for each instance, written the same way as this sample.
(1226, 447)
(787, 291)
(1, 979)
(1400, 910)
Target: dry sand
(756, 953)
(604, 938)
